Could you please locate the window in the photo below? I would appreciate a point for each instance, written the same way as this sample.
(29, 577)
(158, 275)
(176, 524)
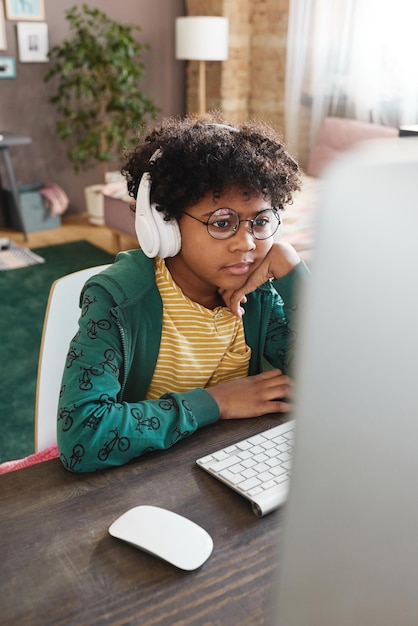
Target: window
(356, 58)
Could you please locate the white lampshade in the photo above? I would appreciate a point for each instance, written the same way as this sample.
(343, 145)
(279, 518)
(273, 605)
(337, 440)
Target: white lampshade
(202, 38)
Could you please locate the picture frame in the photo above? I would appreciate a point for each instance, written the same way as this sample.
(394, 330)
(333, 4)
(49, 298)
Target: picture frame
(25, 10)
(7, 67)
(3, 41)
(32, 40)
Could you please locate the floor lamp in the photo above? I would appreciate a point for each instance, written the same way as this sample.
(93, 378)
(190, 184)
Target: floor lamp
(202, 38)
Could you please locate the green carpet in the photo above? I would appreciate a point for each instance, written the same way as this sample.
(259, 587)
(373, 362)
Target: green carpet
(23, 298)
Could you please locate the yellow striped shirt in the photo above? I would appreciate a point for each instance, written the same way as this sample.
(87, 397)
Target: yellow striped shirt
(199, 347)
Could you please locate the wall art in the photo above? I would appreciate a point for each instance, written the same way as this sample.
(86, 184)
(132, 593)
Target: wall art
(7, 67)
(25, 10)
(3, 42)
(32, 42)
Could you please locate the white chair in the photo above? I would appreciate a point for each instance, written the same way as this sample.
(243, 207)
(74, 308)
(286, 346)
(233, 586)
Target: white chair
(60, 326)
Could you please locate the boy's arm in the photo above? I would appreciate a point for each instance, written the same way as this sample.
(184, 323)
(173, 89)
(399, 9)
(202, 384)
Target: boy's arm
(97, 430)
(280, 261)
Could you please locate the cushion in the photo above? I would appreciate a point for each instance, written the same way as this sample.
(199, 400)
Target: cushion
(43, 455)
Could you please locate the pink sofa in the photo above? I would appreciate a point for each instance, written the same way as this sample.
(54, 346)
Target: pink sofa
(117, 213)
(337, 135)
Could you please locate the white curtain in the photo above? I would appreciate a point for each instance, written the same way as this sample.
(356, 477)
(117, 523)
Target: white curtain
(350, 58)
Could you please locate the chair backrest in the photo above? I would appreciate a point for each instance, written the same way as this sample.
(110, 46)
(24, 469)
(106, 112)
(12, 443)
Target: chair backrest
(60, 325)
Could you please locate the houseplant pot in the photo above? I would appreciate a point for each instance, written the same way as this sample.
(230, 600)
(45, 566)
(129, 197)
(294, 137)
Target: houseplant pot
(97, 72)
(95, 204)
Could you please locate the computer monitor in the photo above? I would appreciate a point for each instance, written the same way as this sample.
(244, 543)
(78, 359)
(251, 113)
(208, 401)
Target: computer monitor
(348, 554)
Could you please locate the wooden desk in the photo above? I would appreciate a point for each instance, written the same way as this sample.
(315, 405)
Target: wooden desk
(8, 140)
(59, 565)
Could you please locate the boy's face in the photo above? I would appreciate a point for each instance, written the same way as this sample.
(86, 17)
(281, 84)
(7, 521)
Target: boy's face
(205, 264)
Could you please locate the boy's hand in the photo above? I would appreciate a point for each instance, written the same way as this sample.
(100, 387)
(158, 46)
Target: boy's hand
(254, 395)
(281, 259)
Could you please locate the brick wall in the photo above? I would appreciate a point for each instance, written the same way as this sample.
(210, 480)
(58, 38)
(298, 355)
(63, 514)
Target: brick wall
(251, 82)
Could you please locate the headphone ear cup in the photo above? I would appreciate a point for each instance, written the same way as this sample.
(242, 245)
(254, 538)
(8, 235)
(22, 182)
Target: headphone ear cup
(156, 236)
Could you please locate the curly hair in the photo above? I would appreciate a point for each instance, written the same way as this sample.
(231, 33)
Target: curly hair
(187, 158)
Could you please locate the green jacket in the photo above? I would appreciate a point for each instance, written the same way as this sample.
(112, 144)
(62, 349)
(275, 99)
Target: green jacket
(103, 419)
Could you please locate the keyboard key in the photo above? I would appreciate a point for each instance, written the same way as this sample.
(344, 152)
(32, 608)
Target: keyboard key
(229, 477)
(250, 483)
(226, 462)
(220, 455)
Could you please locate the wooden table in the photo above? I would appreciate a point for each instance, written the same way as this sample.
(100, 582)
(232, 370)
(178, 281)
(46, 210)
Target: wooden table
(59, 565)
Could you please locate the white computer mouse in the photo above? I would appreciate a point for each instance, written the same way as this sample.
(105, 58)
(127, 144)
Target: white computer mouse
(165, 534)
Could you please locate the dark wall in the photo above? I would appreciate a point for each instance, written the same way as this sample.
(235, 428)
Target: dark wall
(24, 100)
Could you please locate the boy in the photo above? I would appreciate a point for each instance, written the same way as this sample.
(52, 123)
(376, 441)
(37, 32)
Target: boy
(177, 335)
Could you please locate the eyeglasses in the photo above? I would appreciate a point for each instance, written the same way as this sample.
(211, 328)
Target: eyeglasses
(224, 223)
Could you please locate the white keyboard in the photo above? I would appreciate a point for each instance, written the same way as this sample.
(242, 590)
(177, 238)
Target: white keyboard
(258, 468)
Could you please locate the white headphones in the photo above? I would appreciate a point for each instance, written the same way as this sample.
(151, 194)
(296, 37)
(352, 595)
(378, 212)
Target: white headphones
(156, 235)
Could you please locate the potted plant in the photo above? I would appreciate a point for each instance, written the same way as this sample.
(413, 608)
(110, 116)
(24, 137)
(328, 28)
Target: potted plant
(100, 106)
